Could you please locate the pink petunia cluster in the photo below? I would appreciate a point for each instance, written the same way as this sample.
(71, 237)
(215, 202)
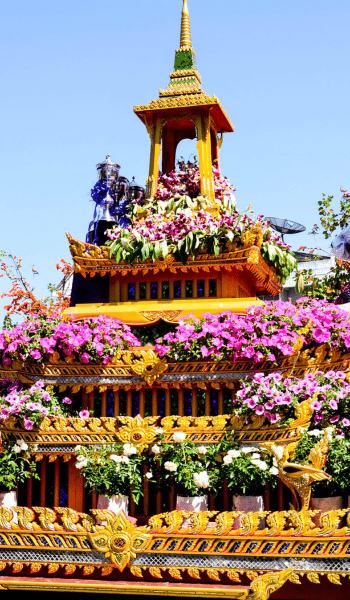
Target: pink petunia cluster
(276, 398)
(91, 340)
(32, 405)
(265, 334)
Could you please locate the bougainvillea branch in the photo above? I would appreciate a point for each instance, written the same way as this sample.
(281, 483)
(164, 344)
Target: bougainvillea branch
(23, 300)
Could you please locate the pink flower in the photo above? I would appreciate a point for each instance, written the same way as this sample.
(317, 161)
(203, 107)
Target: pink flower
(84, 414)
(316, 405)
(85, 358)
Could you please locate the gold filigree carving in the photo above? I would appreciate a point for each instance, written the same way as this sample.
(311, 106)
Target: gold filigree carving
(119, 540)
(262, 587)
(138, 431)
(167, 315)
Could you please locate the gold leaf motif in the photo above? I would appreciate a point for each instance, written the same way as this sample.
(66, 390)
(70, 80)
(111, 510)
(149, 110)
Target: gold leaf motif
(294, 578)
(69, 569)
(88, 570)
(2, 565)
(194, 573)
(53, 567)
(252, 575)
(233, 575)
(35, 567)
(155, 572)
(334, 578)
(137, 571)
(213, 574)
(17, 567)
(106, 571)
(313, 577)
(176, 573)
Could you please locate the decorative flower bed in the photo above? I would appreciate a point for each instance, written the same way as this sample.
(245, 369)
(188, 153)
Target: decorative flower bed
(33, 405)
(181, 222)
(38, 339)
(277, 398)
(264, 334)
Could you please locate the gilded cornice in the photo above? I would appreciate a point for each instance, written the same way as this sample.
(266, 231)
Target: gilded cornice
(186, 73)
(171, 547)
(65, 433)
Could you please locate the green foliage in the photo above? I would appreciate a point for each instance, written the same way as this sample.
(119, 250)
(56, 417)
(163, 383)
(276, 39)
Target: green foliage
(183, 463)
(113, 470)
(184, 60)
(337, 464)
(332, 283)
(248, 469)
(149, 335)
(16, 465)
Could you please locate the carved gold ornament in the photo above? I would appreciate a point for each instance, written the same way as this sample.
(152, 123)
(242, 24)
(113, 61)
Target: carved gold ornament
(119, 540)
(298, 478)
(138, 431)
(149, 366)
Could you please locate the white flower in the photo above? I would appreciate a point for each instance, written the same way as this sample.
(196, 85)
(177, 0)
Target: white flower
(81, 458)
(273, 471)
(129, 449)
(149, 475)
(155, 449)
(125, 460)
(81, 464)
(159, 430)
(227, 459)
(116, 458)
(315, 432)
(16, 449)
(77, 448)
(329, 431)
(201, 479)
(255, 455)
(261, 464)
(179, 436)
(23, 446)
(201, 450)
(170, 466)
(234, 453)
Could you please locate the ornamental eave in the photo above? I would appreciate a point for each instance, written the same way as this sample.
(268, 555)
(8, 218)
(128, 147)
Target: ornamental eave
(184, 102)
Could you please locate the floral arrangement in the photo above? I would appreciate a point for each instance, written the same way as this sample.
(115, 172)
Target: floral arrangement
(248, 468)
(337, 464)
(276, 398)
(112, 470)
(187, 180)
(193, 469)
(264, 334)
(15, 465)
(181, 222)
(38, 339)
(33, 405)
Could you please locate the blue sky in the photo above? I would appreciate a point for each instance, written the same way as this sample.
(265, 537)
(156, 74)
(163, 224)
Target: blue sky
(71, 72)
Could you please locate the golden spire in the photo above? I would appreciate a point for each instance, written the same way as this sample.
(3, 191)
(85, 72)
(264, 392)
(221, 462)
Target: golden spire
(185, 38)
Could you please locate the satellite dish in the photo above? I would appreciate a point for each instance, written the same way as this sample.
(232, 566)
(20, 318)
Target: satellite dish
(284, 226)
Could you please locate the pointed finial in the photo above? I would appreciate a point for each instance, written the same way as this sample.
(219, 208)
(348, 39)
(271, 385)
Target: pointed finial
(185, 38)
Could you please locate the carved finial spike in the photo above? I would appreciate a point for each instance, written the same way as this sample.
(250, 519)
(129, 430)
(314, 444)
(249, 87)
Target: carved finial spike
(185, 38)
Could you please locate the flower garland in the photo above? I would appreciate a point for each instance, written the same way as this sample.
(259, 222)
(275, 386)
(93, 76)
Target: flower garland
(94, 340)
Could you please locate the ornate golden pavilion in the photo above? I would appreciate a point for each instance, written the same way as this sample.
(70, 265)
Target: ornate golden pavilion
(62, 545)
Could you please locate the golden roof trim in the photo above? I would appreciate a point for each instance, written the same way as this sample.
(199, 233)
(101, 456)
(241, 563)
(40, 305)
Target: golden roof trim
(186, 73)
